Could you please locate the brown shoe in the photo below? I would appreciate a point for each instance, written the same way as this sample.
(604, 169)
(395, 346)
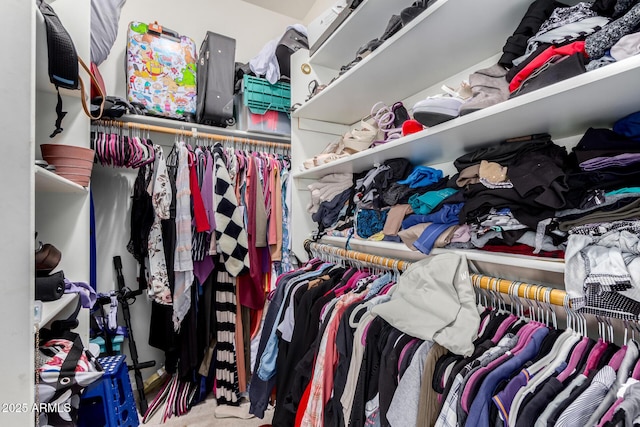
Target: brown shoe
(47, 258)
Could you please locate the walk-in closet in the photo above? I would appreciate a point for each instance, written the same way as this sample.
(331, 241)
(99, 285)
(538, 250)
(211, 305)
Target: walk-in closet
(321, 213)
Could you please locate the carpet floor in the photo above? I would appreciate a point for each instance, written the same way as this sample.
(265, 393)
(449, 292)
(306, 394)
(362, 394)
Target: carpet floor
(204, 415)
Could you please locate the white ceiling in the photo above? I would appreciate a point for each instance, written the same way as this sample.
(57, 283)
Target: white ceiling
(295, 8)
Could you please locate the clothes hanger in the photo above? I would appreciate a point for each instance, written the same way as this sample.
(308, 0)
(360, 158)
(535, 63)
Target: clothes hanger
(120, 149)
(554, 317)
(530, 311)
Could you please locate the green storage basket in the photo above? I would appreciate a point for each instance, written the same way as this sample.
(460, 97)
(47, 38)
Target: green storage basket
(260, 95)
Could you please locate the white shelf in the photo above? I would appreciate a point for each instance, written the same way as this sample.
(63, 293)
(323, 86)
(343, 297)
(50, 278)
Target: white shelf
(187, 126)
(594, 99)
(451, 35)
(401, 251)
(51, 309)
(367, 22)
(49, 182)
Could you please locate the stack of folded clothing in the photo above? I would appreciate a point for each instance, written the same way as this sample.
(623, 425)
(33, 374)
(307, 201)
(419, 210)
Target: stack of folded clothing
(524, 196)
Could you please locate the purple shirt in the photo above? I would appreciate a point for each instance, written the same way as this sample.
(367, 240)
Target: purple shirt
(504, 399)
(624, 159)
(479, 410)
(523, 336)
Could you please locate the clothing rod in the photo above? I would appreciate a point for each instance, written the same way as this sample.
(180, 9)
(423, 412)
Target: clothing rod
(528, 291)
(525, 290)
(185, 132)
(390, 263)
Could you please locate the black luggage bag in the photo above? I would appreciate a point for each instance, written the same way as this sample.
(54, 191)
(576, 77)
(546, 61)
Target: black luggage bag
(216, 73)
(291, 41)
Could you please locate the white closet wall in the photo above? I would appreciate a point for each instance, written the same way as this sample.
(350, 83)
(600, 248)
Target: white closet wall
(319, 7)
(17, 206)
(36, 201)
(252, 27)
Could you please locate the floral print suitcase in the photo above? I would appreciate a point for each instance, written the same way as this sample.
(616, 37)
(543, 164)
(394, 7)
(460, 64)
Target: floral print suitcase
(161, 70)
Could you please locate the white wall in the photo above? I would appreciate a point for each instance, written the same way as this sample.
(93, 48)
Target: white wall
(252, 27)
(318, 7)
(16, 205)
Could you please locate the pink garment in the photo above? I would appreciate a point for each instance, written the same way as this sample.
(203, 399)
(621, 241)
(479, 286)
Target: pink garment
(250, 286)
(199, 211)
(275, 214)
(576, 355)
(462, 234)
(636, 372)
(502, 329)
(594, 357)
(617, 358)
(386, 288)
(569, 49)
(608, 416)
(403, 353)
(326, 363)
(351, 283)
(202, 269)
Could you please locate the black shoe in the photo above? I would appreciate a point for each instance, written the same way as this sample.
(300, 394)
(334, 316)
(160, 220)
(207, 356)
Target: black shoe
(368, 48)
(409, 13)
(400, 114)
(393, 26)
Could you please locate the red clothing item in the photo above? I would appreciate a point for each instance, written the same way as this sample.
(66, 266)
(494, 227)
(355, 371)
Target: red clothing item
(250, 286)
(570, 49)
(304, 401)
(199, 212)
(331, 353)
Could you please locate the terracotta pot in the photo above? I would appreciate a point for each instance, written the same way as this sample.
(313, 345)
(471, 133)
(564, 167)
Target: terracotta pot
(73, 169)
(68, 151)
(71, 162)
(77, 178)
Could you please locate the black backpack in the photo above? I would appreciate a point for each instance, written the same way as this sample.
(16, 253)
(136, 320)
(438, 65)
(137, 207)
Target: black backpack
(63, 62)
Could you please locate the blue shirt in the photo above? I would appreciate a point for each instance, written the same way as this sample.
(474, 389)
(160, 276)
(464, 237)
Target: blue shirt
(267, 363)
(479, 411)
(446, 215)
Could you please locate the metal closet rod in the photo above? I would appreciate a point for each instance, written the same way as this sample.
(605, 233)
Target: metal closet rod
(184, 132)
(531, 292)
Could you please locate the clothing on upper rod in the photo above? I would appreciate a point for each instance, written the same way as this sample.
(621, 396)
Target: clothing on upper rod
(334, 361)
(208, 229)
